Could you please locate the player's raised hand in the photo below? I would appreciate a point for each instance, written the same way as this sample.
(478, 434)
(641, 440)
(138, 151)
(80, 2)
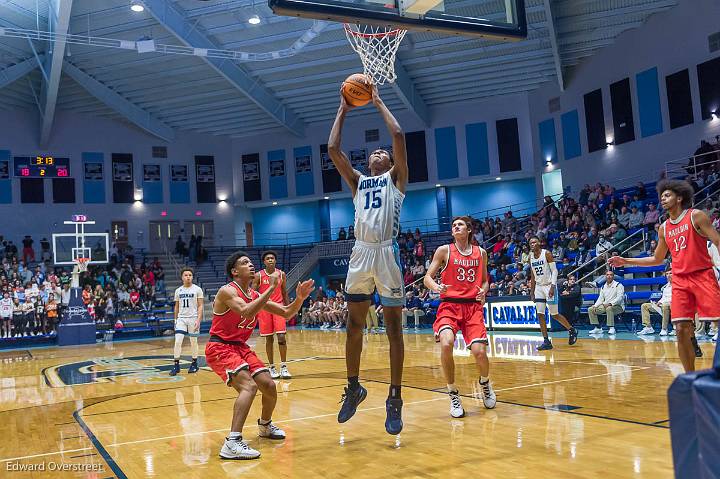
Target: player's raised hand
(441, 288)
(274, 280)
(375, 95)
(304, 289)
(480, 298)
(616, 261)
(344, 105)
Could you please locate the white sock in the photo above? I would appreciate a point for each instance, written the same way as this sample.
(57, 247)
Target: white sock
(235, 436)
(178, 344)
(262, 422)
(484, 379)
(194, 346)
(452, 388)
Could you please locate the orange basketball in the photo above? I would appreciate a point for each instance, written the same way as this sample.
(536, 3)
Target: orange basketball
(356, 90)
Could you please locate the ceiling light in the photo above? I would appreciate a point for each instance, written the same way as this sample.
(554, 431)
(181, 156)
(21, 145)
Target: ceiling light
(137, 6)
(326, 197)
(274, 203)
(497, 178)
(254, 20)
(437, 185)
(714, 115)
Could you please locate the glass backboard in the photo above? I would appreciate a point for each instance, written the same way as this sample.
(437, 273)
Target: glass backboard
(499, 19)
(67, 247)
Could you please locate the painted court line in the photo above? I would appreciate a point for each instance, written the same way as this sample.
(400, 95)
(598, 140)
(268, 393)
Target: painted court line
(307, 418)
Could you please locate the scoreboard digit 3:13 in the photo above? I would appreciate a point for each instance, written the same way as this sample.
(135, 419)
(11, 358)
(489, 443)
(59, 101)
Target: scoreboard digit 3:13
(42, 167)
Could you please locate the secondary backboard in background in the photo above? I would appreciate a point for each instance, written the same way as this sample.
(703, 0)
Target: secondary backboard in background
(499, 19)
(69, 247)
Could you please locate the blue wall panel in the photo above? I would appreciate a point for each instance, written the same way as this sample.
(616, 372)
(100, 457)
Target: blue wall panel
(446, 153)
(342, 214)
(474, 199)
(6, 184)
(571, 134)
(304, 181)
(548, 143)
(419, 210)
(648, 93)
(179, 192)
(278, 184)
(93, 190)
(477, 149)
(297, 224)
(153, 191)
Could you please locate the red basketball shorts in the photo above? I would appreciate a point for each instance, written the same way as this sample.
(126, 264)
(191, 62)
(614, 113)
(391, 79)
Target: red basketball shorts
(271, 323)
(228, 359)
(695, 293)
(467, 318)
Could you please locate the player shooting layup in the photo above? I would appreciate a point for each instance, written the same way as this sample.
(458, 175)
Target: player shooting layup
(375, 258)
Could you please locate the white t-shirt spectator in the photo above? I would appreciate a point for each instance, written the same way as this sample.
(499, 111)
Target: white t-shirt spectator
(65, 296)
(6, 308)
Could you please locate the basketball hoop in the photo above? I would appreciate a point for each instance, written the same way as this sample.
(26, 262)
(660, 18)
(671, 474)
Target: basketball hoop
(82, 264)
(376, 47)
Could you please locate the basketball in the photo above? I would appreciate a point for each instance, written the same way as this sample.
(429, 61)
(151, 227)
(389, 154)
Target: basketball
(356, 90)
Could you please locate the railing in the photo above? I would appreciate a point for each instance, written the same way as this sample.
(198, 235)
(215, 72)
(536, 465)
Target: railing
(614, 247)
(707, 191)
(171, 259)
(429, 225)
(692, 163)
(308, 262)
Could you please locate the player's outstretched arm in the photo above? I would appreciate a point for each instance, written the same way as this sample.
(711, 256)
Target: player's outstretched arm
(439, 259)
(656, 259)
(227, 296)
(301, 293)
(338, 157)
(704, 226)
(399, 171)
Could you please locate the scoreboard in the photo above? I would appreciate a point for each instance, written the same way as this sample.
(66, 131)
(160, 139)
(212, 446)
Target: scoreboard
(42, 167)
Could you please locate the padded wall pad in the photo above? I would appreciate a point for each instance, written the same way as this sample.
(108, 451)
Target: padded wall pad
(683, 426)
(706, 406)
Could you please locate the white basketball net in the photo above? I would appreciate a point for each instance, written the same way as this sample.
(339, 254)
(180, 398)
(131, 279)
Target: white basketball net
(82, 264)
(377, 47)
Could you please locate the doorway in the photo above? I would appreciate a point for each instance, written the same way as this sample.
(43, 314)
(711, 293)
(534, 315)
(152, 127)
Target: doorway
(163, 233)
(206, 229)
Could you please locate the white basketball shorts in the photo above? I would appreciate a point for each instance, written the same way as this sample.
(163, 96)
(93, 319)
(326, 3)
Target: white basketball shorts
(375, 266)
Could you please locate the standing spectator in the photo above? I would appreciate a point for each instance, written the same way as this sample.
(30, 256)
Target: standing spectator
(191, 248)
(420, 249)
(18, 318)
(28, 251)
(351, 232)
(159, 273)
(342, 234)
(51, 311)
(6, 312)
(180, 247)
(45, 247)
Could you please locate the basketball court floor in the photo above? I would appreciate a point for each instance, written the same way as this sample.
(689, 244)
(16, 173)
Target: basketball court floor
(594, 410)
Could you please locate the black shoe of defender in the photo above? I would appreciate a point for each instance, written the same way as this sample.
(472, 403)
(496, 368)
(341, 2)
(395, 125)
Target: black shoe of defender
(545, 346)
(350, 401)
(698, 351)
(572, 336)
(193, 368)
(175, 370)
